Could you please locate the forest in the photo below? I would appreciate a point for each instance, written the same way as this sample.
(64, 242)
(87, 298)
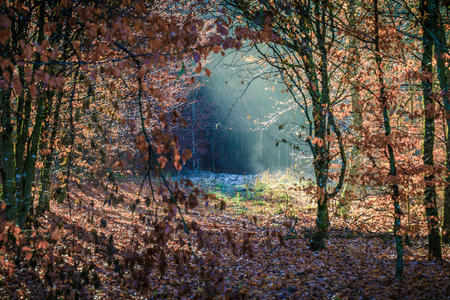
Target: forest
(225, 149)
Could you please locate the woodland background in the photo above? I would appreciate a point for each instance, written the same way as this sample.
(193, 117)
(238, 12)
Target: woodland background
(114, 135)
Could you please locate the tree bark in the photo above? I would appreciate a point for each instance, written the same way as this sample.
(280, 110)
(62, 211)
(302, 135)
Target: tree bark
(321, 127)
(44, 196)
(434, 241)
(395, 192)
(437, 33)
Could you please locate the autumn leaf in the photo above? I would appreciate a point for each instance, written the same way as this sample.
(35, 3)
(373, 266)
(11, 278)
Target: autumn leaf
(10, 267)
(115, 71)
(187, 154)
(57, 234)
(42, 245)
(28, 252)
(198, 69)
(162, 161)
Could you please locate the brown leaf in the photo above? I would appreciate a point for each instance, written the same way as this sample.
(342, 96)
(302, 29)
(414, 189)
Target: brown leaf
(28, 252)
(162, 161)
(57, 234)
(42, 245)
(4, 237)
(198, 69)
(77, 248)
(10, 266)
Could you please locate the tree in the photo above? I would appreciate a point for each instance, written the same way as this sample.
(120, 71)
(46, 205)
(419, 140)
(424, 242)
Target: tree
(436, 33)
(429, 16)
(352, 188)
(65, 62)
(382, 98)
(304, 58)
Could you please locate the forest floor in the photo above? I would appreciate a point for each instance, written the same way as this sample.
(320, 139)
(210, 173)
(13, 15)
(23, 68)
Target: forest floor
(359, 261)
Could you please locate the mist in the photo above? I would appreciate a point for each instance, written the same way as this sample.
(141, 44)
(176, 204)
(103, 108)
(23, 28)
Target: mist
(256, 125)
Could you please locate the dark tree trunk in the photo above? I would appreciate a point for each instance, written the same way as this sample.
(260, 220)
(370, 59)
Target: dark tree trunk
(395, 192)
(434, 241)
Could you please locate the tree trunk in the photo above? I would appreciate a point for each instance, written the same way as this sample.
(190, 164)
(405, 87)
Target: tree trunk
(44, 196)
(213, 160)
(321, 102)
(434, 242)
(350, 189)
(440, 46)
(395, 194)
(25, 177)
(194, 150)
(7, 169)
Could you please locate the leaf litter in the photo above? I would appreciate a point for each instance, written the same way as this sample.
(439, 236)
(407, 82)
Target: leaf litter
(256, 253)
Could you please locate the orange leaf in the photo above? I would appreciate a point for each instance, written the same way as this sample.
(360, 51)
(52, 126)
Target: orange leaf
(42, 245)
(28, 254)
(16, 231)
(26, 248)
(178, 165)
(10, 269)
(187, 154)
(198, 69)
(176, 154)
(162, 161)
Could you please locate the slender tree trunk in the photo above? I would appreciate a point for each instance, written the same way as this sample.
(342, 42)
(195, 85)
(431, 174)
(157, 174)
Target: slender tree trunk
(44, 196)
(194, 153)
(321, 170)
(8, 131)
(434, 241)
(25, 177)
(213, 160)
(30, 163)
(72, 137)
(321, 127)
(395, 194)
(350, 189)
(7, 169)
(437, 32)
